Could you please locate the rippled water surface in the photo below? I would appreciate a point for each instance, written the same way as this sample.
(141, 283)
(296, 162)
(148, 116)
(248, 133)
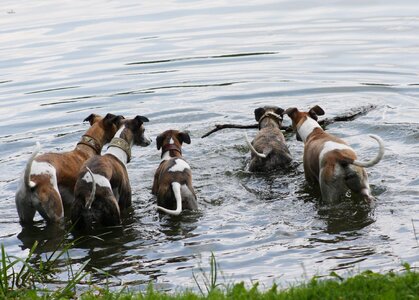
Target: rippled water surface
(192, 64)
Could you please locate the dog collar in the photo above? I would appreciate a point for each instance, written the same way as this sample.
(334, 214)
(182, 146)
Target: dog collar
(91, 142)
(121, 144)
(169, 147)
(272, 115)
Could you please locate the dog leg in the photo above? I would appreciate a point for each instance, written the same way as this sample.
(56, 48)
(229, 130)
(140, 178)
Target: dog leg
(25, 209)
(332, 186)
(50, 205)
(356, 179)
(189, 197)
(108, 211)
(176, 188)
(124, 200)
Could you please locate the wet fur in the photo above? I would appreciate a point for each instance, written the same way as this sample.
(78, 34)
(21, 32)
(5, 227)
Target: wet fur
(270, 142)
(36, 191)
(334, 170)
(108, 202)
(163, 177)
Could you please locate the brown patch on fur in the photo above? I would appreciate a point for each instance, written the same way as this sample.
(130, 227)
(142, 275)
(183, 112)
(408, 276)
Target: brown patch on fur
(269, 141)
(331, 183)
(67, 166)
(106, 207)
(163, 178)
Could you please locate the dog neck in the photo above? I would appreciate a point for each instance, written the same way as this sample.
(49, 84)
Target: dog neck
(120, 146)
(270, 119)
(170, 150)
(90, 142)
(307, 127)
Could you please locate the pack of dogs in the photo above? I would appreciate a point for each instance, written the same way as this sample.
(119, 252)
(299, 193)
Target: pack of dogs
(96, 189)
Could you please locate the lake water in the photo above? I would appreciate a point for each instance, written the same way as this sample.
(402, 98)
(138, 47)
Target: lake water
(189, 65)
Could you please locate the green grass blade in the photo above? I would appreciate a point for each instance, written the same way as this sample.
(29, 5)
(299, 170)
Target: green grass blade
(3, 272)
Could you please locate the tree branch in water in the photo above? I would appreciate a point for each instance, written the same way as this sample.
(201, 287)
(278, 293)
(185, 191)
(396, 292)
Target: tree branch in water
(349, 116)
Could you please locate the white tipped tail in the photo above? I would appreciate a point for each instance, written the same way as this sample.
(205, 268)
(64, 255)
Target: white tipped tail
(252, 148)
(377, 158)
(89, 202)
(178, 197)
(27, 175)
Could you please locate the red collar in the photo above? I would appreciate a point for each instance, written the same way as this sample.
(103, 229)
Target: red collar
(169, 147)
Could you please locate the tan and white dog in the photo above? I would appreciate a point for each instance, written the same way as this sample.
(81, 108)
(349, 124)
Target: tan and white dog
(103, 188)
(48, 180)
(173, 178)
(269, 150)
(328, 160)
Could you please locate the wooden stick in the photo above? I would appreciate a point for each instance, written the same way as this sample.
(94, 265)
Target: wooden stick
(223, 126)
(351, 115)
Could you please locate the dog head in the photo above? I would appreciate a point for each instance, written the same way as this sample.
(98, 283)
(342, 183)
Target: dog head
(274, 113)
(172, 140)
(136, 127)
(103, 129)
(299, 117)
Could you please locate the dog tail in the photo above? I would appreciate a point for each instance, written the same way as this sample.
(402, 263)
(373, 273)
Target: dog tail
(27, 174)
(376, 159)
(89, 202)
(178, 197)
(262, 155)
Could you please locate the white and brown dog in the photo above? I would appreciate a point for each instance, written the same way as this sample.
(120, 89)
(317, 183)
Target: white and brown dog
(103, 189)
(269, 151)
(173, 178)
(48, 180)
(328, 160)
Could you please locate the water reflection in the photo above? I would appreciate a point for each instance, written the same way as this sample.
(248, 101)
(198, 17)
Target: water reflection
(346, 217)
(47, 236)
(193, 65)
(179, 227)
(199, 58)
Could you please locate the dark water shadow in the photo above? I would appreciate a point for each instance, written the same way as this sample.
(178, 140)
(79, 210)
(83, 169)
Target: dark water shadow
(224, 56)
(48, 236)
(346, 217)
(351, 213)
(179, 227)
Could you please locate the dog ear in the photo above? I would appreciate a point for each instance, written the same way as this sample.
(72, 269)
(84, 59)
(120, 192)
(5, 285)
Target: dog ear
(184, 137)
(279, 111)
(291, 112)
(118, 120)
(316, 111)
(159, 141)
(141, 119)
(259, 113)
(109, 116)
(113, 119)
(91, 119)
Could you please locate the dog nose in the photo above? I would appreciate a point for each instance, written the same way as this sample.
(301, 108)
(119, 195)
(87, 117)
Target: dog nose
(147, 140)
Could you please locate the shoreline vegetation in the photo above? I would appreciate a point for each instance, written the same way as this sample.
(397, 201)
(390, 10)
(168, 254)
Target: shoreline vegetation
(28, 278)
